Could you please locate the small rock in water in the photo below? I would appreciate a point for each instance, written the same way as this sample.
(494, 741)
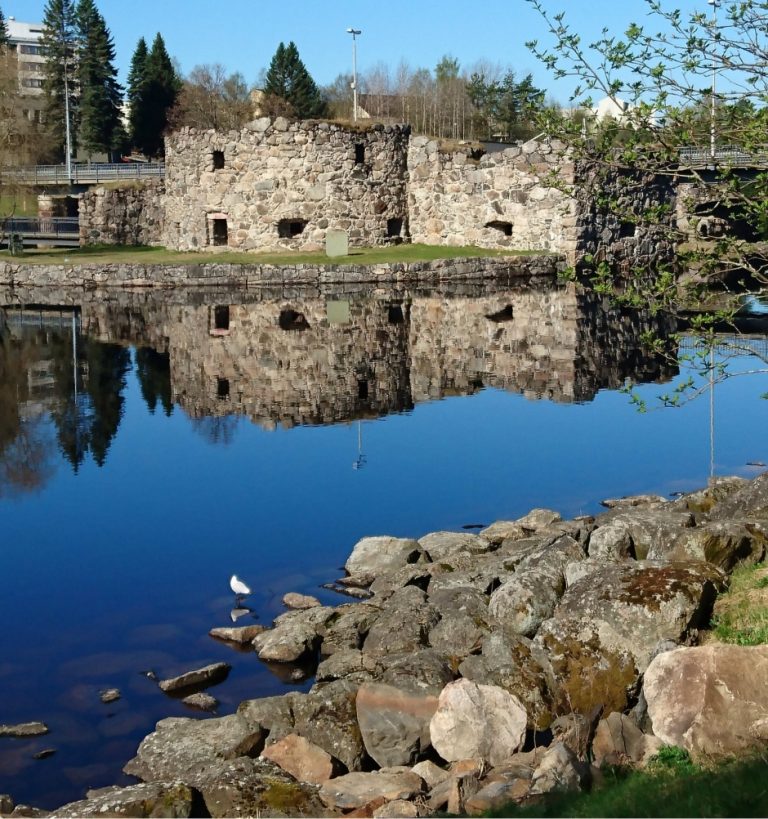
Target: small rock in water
(202, 701)
(242, 635)
(44, 754)
(473, 526)
(349, 591)
(6, 803)
(110, 695)
(24, 729)
(150, 675)
(28, 810)
(298, 675)
(755, 463)
(199, 678)
(300, 601)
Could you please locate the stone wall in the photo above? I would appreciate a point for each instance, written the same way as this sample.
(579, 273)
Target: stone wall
(281, 185)
(503, 199)
(128, 214)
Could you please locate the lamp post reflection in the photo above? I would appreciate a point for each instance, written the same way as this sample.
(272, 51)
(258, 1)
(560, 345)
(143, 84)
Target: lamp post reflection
(362, 458)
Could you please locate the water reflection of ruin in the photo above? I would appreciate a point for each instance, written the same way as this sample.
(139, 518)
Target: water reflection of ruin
(317, 358)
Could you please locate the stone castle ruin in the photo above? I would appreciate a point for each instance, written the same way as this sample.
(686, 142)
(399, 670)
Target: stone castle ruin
(282, 185)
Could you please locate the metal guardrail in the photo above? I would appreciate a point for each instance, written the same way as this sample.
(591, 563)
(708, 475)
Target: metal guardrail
(55, 227)
(85, 174)
(727, 155)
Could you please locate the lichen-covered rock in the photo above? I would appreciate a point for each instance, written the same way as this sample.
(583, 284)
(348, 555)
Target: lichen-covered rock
(647, 527)
(464, 621)
(242, 635)
(644, 602)
(404, 624)
(527, 599)
(327, 717)
(24, 729)
(180, 748)
(156, 799)
(726, 544)
(347, 627)
(441, 545)
(709, 699)
(295, 634)
(611, 541)
(473, 720)
(378, 555)
(300, 601)
(741, 499)
(511, 662)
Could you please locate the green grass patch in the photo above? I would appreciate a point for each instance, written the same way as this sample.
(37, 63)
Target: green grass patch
(667, 788)
(20, 204)
(741, 614)
(157, 255)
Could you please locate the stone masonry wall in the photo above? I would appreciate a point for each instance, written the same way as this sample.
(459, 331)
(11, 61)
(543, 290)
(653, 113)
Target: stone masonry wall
(281, 185)
(501, 200)
(131, 214)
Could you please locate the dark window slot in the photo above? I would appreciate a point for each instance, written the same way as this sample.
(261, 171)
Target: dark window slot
(502, 227)
(359, 153)
(395, 314)
(290, 228)
(394, 227)
(218, 160)
(221, 317)
(362, 390)
(222, 388)
(220, 233)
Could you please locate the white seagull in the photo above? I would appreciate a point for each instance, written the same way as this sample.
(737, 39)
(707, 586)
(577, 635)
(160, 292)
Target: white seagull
(238, 587)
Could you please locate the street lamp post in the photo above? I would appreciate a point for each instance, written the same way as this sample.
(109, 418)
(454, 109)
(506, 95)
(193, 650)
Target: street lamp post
(354, 32)
(713, 108)
(67, 120)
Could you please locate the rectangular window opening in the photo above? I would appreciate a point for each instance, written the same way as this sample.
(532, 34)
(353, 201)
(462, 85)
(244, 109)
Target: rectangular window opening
(218, 160)
(394, 228)
(362, 389)
(626, 230)
(222, 388)
(359, 153)
(502, 227)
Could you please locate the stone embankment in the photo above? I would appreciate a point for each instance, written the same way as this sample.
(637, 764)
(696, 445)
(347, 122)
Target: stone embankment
(501, 269)
(483, 669)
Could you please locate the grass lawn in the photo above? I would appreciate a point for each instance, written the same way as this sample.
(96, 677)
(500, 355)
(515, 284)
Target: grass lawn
(741, 614)
(158, 255)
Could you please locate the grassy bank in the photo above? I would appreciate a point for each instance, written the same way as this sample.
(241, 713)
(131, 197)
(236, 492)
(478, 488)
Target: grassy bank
(741, 614)
(159, 255)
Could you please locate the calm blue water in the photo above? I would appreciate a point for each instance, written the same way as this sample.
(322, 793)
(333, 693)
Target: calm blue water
(267, 447)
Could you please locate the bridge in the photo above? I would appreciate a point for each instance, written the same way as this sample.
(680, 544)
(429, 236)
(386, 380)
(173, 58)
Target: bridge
(91, 174)
(727, 155)
(58, 231)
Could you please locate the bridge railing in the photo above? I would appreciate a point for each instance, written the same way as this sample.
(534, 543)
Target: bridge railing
(85, 174)
(54, 227)
(726, 155)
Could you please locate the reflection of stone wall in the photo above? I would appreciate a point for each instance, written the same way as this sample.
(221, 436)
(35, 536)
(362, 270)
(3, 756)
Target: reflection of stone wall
(307, 371)
(314, 358)
(316, 175)
(500, 200)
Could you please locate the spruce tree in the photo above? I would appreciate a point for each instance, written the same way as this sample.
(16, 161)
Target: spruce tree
(100, 93)
(161, 88)
(137, 95)
(3, 30)
(60, 44)
(288, 80)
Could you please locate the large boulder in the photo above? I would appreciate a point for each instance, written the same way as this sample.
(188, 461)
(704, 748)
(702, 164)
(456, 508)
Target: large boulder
(725, 544)
(441, 545)
(403, 625)
(157, 799)
(180, 748)
(295, 635)
(373, 556)
(527, 599)
(748, 499)
(301, 759)
(394, 713)
(644, 529)
(644, 603)
(711, 699)
(478, 721)
(464, 620)
(618, 741)
(512, 663)
(558, 771)
(347, 627)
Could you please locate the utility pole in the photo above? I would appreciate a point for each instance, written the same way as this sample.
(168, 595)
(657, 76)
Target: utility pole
(713, 107)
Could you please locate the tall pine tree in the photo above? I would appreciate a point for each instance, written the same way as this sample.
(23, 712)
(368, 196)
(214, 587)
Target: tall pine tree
(288, 80)
(3, 30)
(100, 94)
(60, 43)
(137, 95)
(158, 95)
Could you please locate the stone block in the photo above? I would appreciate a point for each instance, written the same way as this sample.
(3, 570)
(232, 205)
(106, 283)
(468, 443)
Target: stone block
(336, 243)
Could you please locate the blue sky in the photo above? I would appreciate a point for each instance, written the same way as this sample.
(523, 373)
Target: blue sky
(243, 34)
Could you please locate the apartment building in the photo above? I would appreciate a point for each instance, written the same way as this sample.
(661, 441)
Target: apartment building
(26, 40)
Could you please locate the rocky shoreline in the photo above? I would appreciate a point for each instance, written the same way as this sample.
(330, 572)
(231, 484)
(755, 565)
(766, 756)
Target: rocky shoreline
(482, 669)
